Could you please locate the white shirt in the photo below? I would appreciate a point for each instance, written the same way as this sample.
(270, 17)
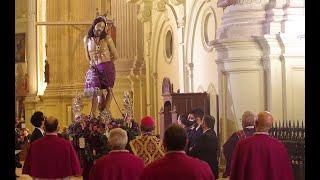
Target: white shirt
(197, 128)
(206, 130)
(42, 131)
(249, 127)
(261, 133)
(53, 133)
(120, 150)
(66, 178)
(168, 152)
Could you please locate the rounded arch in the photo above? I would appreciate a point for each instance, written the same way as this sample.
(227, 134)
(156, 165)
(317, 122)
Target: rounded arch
(191, 28)
(161, 23)
(207, 12)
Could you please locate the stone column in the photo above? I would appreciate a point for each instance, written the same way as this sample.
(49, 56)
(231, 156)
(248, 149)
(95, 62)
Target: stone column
(272, 65)
(31, 99)
(31, 47)
(256, 41)
(181, 45)
(283, 47)
(293, 59)
(144, 16)
(241, 74)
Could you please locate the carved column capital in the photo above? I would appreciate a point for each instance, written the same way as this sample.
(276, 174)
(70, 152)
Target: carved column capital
(190, 65)
(225, 3)
(145, 10)
(177, 2)
(161, 5)
(295, 3)
(155, 75)
(181, 16)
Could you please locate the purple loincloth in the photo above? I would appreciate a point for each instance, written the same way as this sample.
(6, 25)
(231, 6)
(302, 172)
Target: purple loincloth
(101, 76)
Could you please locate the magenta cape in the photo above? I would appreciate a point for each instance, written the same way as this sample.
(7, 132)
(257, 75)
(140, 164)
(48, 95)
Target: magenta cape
(260, 157)
(176, 166)
(117, 166)
(51, 157)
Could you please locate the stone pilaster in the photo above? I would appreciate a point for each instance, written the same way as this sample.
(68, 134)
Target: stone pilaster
(31, 48)
(254, 46)
(239, 59)
(144, 16)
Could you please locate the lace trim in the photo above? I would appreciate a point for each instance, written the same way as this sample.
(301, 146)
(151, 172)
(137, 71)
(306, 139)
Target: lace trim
(90, 91)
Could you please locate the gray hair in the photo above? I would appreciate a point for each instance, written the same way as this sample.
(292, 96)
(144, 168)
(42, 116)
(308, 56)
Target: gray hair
(248, 119)
(118, 139)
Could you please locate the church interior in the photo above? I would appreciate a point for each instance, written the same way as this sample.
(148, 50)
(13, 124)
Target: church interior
(225, 56)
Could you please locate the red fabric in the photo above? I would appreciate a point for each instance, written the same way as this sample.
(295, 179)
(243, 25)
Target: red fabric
(117, 166)
(147, 122)
(260, 157)
(176, 166)
(51, 157)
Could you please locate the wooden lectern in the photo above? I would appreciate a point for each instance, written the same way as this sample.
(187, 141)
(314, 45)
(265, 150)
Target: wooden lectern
(175, 104)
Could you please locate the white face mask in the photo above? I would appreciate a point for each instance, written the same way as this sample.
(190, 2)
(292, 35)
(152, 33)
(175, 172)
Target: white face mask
(191, 118)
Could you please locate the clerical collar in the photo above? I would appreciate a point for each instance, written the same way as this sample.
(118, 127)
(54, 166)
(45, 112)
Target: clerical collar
(265, 133)
(249, 127)
(65, 178)
(42, 131)
(120, 150)
(169, 152)
(52, 133)
(206, 130)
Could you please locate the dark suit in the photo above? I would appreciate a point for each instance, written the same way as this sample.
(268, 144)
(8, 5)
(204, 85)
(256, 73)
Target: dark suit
(36, 134)
(193, 136)
(17, 142)
(206, 149)
(17, 147)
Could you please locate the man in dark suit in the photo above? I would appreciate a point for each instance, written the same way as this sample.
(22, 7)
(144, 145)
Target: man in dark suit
(37, 120)
(17, 145)
(195, 130)
(248, 119)
(206, 147)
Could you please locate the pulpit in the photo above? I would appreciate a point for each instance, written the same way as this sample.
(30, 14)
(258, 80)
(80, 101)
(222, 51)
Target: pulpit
(175, 103)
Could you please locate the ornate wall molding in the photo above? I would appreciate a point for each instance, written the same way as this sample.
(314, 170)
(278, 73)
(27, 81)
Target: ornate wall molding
(177, 2)
(168, 52)
(125, 20)
(247, 1)
(161, 5)
(145, 10)
(206, 42)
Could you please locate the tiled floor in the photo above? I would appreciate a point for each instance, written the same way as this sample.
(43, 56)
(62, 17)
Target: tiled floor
(27, 177)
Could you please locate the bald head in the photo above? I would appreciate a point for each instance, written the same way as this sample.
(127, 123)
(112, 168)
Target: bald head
(264, 122)
(248, 119)
(51, 124)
